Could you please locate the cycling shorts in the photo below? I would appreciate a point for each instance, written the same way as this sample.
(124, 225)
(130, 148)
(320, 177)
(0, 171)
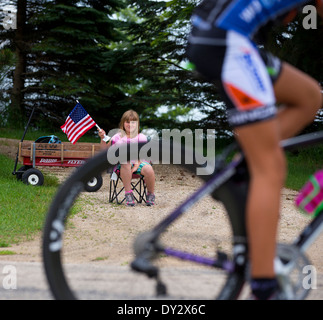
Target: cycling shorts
(243, 74)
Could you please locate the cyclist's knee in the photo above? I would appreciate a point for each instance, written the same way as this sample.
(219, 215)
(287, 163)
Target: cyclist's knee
(298, 90)
(313, 99)
(272, 167)
(280, 165)
(318, 102)
(277, 169)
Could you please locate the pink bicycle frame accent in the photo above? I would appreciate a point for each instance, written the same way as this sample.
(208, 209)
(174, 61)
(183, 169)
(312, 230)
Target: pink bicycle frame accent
(310, 198)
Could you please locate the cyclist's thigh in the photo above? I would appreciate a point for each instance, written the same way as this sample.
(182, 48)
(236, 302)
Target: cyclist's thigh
(246, 84)
(261, 145)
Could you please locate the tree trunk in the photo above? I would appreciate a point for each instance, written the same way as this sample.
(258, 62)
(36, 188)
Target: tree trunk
(17, 110)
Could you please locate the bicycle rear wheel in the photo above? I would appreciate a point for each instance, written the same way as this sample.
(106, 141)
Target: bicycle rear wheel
(73, 279)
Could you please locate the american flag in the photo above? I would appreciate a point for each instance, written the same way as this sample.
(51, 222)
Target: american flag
(77, 123)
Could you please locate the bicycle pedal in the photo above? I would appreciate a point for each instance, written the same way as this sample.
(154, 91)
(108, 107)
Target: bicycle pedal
(144, 266)
(161, 289)
(222, 256)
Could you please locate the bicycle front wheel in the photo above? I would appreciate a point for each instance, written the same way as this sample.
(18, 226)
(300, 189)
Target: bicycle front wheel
(96, 277)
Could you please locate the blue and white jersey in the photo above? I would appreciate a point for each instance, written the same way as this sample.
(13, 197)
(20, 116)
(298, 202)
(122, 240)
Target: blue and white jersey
(246, 17)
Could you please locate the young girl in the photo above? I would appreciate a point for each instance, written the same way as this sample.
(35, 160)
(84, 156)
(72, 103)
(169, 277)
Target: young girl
(129, 133)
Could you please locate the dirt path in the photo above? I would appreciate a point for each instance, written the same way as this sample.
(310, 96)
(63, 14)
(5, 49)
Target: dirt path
(103, 232)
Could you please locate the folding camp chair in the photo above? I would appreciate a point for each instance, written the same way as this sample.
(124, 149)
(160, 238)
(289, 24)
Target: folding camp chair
(138, 186)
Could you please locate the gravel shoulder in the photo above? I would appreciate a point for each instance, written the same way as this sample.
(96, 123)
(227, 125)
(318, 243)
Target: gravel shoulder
(103, 232)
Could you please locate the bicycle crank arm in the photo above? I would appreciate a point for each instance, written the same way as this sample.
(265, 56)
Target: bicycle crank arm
(146, 248)
(143, 265)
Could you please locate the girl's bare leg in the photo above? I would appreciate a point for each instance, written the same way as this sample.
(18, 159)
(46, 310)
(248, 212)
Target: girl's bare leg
(126, 176)
(149, 174)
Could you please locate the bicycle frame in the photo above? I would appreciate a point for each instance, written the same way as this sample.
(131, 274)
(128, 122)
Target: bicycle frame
(222, 186)
(215, 182)
(310, 233)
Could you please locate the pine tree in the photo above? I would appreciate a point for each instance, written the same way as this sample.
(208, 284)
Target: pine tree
(68, 61)
(7, 63)
(59, 48)
(115, 55)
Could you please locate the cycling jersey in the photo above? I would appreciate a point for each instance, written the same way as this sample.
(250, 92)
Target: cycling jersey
(222, 47)
(246, 17)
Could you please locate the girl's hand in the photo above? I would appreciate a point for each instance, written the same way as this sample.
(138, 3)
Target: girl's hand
(101, 134)
(135, 167)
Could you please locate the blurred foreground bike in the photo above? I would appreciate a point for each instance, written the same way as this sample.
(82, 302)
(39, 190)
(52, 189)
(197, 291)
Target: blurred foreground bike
(225, 274)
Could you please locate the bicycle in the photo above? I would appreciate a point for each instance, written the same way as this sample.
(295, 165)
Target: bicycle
(227, 184)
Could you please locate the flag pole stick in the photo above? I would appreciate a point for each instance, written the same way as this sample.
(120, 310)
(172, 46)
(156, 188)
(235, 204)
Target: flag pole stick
(106, 138)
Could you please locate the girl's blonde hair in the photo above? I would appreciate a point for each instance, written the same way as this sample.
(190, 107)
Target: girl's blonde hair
(129, 115)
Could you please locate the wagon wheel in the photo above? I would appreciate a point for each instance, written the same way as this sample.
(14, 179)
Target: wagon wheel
(94, 184)
(33, 177)
(21, 171)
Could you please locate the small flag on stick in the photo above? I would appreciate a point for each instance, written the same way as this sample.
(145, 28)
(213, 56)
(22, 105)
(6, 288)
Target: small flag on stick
(77, 123)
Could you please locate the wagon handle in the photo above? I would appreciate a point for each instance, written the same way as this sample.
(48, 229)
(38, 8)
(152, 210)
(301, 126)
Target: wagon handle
(22, 139)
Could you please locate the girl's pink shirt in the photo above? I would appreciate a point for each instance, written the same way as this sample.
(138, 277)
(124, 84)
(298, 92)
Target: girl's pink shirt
(117, 139)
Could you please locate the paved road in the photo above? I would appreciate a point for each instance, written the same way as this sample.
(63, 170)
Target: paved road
(99, 282)
(22, 281)
(103, 282)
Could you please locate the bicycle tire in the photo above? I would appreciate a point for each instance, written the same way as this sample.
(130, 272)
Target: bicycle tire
(232, 287)
(59, 211)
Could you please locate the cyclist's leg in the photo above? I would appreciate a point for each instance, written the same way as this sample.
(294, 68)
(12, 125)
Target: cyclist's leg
(301, 97)
(252, 112)
(266, 162)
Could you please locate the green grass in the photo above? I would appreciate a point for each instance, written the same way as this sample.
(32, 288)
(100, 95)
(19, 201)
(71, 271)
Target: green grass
(302, 164)
(7, 253)
(22, 207)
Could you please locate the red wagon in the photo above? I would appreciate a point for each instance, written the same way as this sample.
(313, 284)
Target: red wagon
(65, 154)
